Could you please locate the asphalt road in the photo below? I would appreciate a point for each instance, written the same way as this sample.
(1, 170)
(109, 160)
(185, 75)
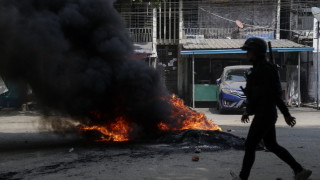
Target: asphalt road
(30, 152)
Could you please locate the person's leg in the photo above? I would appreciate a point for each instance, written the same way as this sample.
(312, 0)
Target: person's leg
(255, 135)
(271, 144)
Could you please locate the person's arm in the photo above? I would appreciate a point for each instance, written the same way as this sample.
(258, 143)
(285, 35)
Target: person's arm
(277, 93)
(282, 107)
(291, 121)
(249, 109)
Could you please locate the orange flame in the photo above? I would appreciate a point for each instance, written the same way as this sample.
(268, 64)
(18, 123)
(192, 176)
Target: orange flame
(186, 118)
(117, 131)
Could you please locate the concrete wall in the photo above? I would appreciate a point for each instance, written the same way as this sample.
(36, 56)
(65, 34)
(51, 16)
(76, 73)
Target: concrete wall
(313, 78)
(309, 76)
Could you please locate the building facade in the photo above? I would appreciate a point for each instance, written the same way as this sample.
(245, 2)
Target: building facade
(166, 24)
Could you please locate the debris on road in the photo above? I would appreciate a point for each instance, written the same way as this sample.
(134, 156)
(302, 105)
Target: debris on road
(195, 158)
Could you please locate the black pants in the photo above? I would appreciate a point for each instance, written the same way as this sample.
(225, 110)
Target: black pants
(264, 128)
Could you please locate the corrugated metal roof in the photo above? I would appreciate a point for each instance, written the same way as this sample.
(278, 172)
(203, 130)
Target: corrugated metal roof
(215, 44)
(238, 67)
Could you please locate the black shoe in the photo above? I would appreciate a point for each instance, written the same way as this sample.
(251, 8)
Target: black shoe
(303, 175)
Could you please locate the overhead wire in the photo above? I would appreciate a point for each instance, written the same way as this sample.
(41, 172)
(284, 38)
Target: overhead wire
(250, 25)
(190, 8)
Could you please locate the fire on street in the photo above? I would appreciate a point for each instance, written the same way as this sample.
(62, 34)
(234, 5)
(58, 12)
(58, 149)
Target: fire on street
(28, 153)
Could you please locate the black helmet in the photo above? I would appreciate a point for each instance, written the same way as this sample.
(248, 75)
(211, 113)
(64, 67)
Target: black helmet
(256, 44)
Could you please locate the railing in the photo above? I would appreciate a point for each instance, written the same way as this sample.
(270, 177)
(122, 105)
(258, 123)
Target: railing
(207, 32)
(145, 34)
(140, 34)
(223, 33)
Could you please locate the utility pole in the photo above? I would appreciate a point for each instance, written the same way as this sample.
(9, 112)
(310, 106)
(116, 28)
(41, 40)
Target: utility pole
(278, 19)
(316, 14)
(318, 64)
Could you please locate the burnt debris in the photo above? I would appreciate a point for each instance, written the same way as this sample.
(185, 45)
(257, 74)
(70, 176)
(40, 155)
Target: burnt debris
(202, 139)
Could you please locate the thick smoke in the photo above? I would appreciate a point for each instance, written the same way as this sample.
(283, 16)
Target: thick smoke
(76, 57)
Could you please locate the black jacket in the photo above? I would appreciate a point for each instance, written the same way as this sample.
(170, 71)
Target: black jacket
(263, 90)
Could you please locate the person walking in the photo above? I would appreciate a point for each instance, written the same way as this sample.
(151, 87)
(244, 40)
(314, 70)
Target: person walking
(263, 91)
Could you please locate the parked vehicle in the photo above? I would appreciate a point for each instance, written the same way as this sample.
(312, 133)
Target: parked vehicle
(229, 94)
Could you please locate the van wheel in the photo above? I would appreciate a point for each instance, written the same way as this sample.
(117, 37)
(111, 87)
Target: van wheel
(220, 110)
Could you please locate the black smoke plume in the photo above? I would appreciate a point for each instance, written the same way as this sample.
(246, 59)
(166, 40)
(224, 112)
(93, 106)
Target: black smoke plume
(76, 57)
